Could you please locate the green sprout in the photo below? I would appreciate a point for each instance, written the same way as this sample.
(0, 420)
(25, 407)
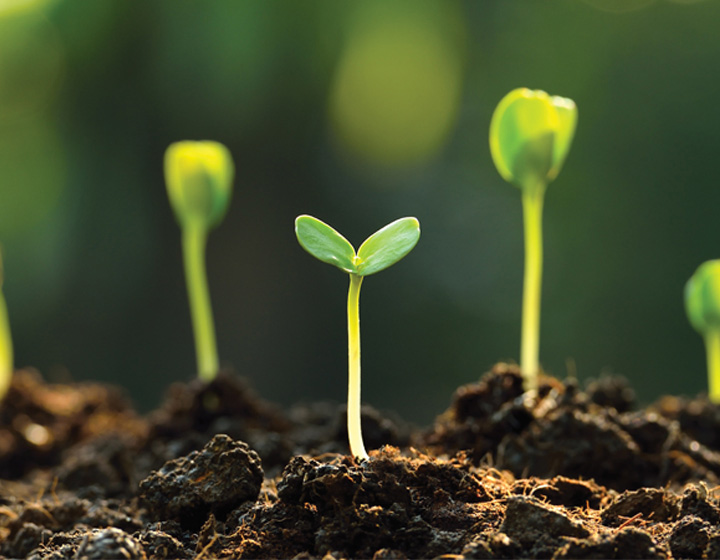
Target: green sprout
(702, 304)
(530, 136)
(382, 249)
(6, 347)
(199, 179)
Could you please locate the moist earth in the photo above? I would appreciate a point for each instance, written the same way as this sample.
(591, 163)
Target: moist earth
(217, 472)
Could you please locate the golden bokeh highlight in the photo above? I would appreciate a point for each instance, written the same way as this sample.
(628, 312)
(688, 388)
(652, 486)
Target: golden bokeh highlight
(33, 175)
(32, 64)
(397, 87)
(13, 7)
(32, 158)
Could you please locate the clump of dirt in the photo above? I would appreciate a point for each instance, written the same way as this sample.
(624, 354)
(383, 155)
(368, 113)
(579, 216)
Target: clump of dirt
(217, 479)
(192, 413)
(565, 431)
(39, 422)
(216, 472)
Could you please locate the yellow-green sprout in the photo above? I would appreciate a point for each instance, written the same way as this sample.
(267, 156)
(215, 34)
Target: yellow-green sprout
(530, 136)
(199, 178)
(702, 303)
(381, 250)
(6, 347)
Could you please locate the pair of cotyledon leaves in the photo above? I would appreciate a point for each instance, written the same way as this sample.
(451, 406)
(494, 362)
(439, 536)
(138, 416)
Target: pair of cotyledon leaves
(382, 249)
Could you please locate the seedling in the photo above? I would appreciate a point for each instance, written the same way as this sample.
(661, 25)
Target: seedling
(6, 347)
(382, 249)
(530, 136)
(199, 179)
(702, 304)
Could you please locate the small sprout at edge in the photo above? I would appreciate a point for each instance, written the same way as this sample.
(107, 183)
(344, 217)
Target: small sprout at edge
(6, 347)
(379, 251)
(702, 304)
(530, 136)
(199, 177)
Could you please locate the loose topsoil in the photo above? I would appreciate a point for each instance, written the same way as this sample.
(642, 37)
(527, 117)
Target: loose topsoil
(216, 472)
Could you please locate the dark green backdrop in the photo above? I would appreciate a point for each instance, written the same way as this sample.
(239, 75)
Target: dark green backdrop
(358, 113)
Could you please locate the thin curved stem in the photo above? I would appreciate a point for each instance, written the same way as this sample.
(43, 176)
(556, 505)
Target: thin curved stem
(357, 448)
(193, 242)
(712, 346)
(532, 200)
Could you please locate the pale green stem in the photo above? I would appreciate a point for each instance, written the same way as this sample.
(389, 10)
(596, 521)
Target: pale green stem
(193, 242)
(532, 200)
(6, 350)
(712, 345)
(357, 448)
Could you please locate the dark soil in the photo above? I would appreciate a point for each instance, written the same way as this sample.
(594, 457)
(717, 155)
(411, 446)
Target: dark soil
(216, 472)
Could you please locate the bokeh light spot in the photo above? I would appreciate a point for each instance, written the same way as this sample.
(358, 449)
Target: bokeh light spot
(31, 64)
(11, 7)
(397, 87)
(32, 177)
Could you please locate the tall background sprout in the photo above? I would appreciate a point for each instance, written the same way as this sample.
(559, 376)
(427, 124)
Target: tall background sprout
(530, 135)
(199, 178)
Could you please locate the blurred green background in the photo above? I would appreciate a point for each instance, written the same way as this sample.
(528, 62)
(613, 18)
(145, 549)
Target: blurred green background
(357, 112)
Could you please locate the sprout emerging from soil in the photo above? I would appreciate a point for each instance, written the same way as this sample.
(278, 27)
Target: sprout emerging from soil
(199, 179)
(702, 303)
(530, 136)
(379, 251)
(6, 347)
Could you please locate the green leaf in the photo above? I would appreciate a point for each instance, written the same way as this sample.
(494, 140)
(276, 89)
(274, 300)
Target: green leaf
(702, 297)
(530, 136)
(387, 246)
(199, 178)
(324, 243)
(567, 122)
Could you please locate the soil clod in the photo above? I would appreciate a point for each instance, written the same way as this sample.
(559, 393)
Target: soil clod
(217, 479)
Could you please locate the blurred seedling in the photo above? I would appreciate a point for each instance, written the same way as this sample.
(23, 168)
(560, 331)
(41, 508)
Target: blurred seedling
(199, 178)
(379, 251)
(6, 347)
(530, 136)
(702, 304)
